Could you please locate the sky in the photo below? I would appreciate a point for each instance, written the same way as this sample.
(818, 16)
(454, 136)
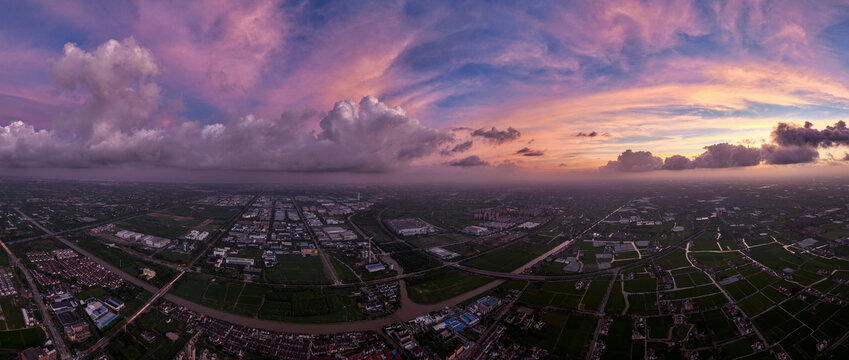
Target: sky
(423, 89)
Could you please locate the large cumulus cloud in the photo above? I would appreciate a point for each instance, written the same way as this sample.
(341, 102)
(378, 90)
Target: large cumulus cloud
(787, 134)
(792, 144)
(119, 76)
(634, 161)
(792, 154)
(115, 126)
(365, 137)
(725, 155)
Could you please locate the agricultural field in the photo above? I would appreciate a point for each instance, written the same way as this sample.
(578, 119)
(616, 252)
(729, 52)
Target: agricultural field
(21, 339)
(565, 335)
(439, 285)
(129, 344)
(297, 269)
(291, 304)
(13, 319)
(514, 255)
(164, 225)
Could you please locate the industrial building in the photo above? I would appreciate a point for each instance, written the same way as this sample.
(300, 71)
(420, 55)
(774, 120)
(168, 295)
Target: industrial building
(410, 227)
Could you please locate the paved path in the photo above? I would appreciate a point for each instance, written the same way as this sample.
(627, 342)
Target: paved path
(724, 293)
(58, 341)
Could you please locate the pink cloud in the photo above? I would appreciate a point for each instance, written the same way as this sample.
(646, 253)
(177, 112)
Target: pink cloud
(216, 50)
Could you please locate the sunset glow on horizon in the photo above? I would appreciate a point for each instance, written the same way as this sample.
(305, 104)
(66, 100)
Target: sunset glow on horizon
(397, 87)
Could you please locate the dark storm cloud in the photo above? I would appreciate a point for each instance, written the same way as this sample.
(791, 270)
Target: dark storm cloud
(792, 154)
(791, 134)
(469, 161)
(498, 136)
(633, 161)
(529, 152)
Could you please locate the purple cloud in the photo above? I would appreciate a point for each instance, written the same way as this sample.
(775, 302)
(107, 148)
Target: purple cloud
(469, 161)
(529, 152)
(114, 127)
(634, 161)
(791, 134)
(498, 136)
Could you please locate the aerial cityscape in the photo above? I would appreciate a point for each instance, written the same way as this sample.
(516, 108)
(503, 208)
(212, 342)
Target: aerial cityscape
(435, 180)
(702, 269)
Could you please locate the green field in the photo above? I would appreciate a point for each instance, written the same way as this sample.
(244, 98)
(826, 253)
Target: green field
(439, 285)
(12, 313)
(129, 344)
(21, 339)
(413, 261)
(512, 256)
(565, 336)
(344, 273)
(293, 304)
(160, 224)
(230, 296)
(310, 306)
(297, 269)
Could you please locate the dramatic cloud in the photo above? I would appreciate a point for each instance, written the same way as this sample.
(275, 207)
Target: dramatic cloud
(677, 162)
(529, 152)
(722, 155)
(792, 154)
(366, 138)
(791, 134)
(469, 161)
(658, 75)
(114, 127)
(23, 145)
(461, 147)
(632, 161)
(215, 49)
(725, 155)
(498, 136)
(119, 76)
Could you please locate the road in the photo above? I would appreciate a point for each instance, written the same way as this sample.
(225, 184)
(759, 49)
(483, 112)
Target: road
(164, 290)
(489, 335)
(407, 311)
(58, 341)
(157, 293)
(81, 228)
(327, 265)
(725, 294)
(578, 276)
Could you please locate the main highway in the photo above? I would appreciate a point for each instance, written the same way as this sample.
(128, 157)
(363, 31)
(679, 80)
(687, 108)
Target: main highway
(407, 311)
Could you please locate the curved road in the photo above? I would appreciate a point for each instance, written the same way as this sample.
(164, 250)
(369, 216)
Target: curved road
(578, 276)
(407, 311)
